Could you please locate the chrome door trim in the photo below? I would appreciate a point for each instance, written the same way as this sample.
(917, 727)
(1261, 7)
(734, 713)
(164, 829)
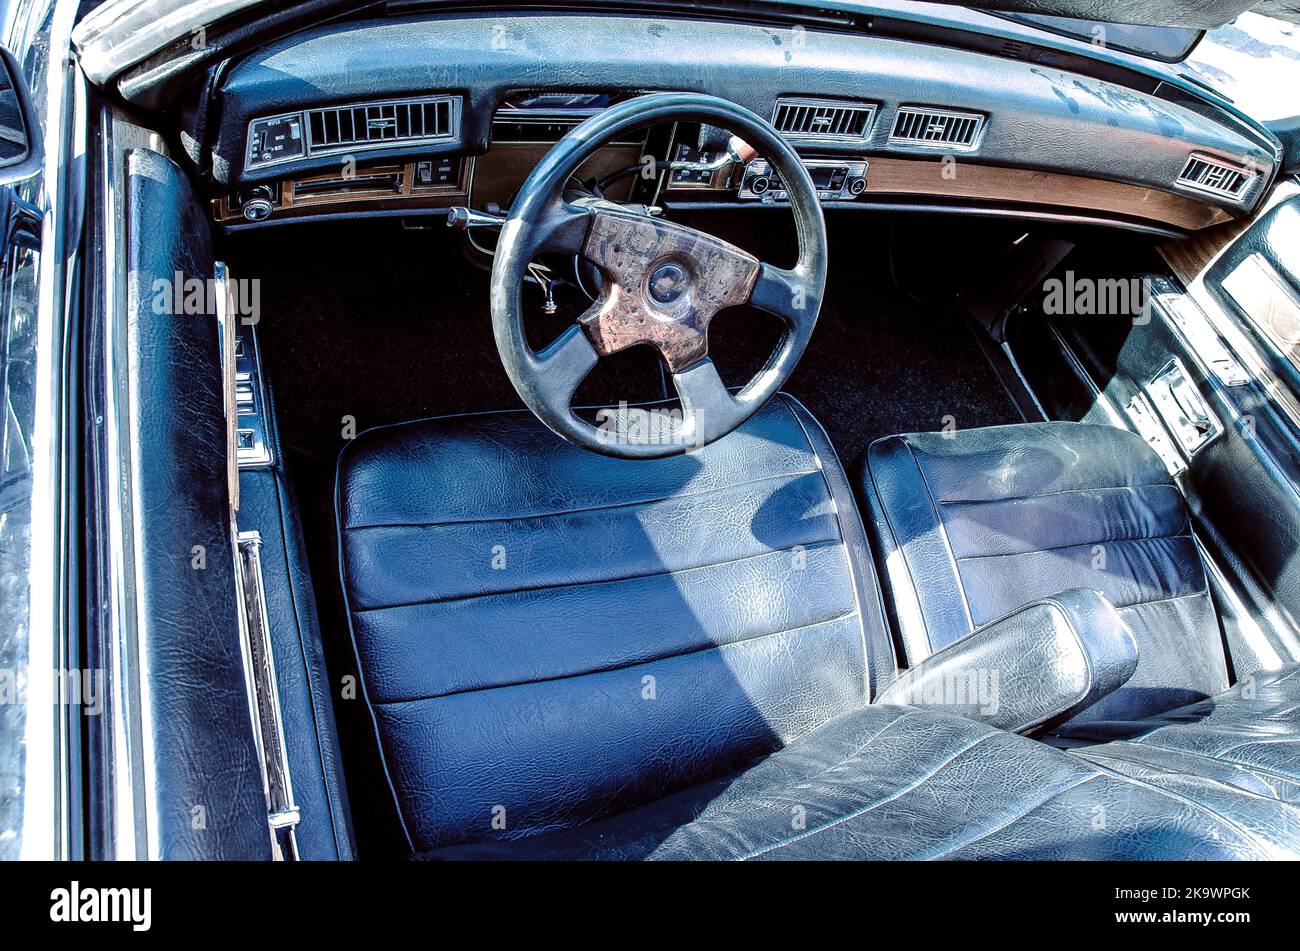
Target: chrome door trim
(131, 783)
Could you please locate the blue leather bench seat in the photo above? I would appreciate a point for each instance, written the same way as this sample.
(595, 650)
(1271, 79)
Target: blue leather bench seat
(572, 656)
(546, 635)
(890, 782)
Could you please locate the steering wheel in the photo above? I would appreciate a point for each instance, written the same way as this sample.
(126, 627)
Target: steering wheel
(663, 284)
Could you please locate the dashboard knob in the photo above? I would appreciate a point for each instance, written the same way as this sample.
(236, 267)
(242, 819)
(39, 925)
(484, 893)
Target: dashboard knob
(259, 209)
(258, 205)
(759, 184)
(857, 186)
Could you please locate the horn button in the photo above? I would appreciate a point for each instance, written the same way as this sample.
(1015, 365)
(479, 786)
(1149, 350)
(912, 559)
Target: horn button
(668, 283)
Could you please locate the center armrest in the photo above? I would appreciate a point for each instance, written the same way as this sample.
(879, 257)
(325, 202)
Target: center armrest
(1039, 665)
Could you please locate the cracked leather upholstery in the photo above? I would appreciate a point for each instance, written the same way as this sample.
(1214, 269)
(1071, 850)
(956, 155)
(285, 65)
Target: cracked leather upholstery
(674, 659)
(890, 782)
(973, 524)
(546, 636)
(1246, 738)
(203, 753)
(1051, 658)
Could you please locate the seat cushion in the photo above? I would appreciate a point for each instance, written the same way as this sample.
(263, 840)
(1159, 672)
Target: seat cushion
(1246, 738)
(973, 524)
(891, 782)
(545, 635)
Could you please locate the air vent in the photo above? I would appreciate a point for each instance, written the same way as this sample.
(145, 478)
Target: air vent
(547, 126)
(938, 128)
(374, 125)
(386, 183)
(351, 128)
(1212, 175)
(820, 119)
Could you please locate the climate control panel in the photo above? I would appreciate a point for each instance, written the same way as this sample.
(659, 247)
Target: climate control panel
(834, 180)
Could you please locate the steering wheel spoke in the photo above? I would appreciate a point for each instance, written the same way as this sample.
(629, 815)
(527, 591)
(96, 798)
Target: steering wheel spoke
(709, 410)
(559, 370)
(786, 293)
(562, 228)
(666, 283)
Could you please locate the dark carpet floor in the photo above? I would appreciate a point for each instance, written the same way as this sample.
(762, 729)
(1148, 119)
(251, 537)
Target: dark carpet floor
(381, 324)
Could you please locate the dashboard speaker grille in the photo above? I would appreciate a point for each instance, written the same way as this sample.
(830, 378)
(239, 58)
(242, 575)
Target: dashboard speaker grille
(821, 119)
(936, 127)
(378, 124)
(1212, 175)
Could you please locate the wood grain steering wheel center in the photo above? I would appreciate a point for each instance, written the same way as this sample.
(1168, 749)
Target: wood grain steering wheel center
(666, 282)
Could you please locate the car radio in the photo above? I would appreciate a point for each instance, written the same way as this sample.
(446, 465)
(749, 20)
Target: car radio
(834, 181)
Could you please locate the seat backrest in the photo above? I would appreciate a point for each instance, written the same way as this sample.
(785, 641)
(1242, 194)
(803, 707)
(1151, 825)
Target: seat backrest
(546, 635)
(973, 524)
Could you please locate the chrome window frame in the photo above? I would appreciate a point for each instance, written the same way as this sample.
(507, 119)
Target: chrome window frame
(39, 35)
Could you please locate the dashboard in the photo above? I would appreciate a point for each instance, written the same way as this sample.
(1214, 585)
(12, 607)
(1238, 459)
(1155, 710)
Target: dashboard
(413, 115)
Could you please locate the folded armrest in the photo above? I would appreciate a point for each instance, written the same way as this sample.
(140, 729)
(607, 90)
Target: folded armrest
(1037, 666)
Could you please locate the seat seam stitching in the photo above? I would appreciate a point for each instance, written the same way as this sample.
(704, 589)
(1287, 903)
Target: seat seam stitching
(868, 688)
(356, 650)
(630, 666)
(1173, 597)
(637, 503)
(902, 552)
(1044, 495)
(459, 598)
(1260, 741)
(1099, 541)
(1242, 830)
(1090, 752)
(943, 534)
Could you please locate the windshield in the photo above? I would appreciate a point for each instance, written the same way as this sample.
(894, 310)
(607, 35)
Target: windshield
(1167, 43)
(1252, 61)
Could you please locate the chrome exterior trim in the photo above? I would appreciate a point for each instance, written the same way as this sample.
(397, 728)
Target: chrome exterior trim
(46, 780)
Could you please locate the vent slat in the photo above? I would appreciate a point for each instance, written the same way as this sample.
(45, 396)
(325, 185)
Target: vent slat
(917, 126)
(361, 125)
(1215, 176)
(823, 120)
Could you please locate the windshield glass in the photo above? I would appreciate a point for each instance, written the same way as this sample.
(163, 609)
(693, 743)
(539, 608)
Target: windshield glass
(1167, 43)
(1253, 61)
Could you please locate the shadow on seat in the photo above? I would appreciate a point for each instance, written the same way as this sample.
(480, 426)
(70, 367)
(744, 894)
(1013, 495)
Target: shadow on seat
(547, 636)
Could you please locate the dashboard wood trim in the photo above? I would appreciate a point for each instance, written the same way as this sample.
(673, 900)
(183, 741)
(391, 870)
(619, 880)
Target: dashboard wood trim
(411, 195)
(1190, 258)
(894, 176)
(933, 177)
(502, 169)
(494, 176)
